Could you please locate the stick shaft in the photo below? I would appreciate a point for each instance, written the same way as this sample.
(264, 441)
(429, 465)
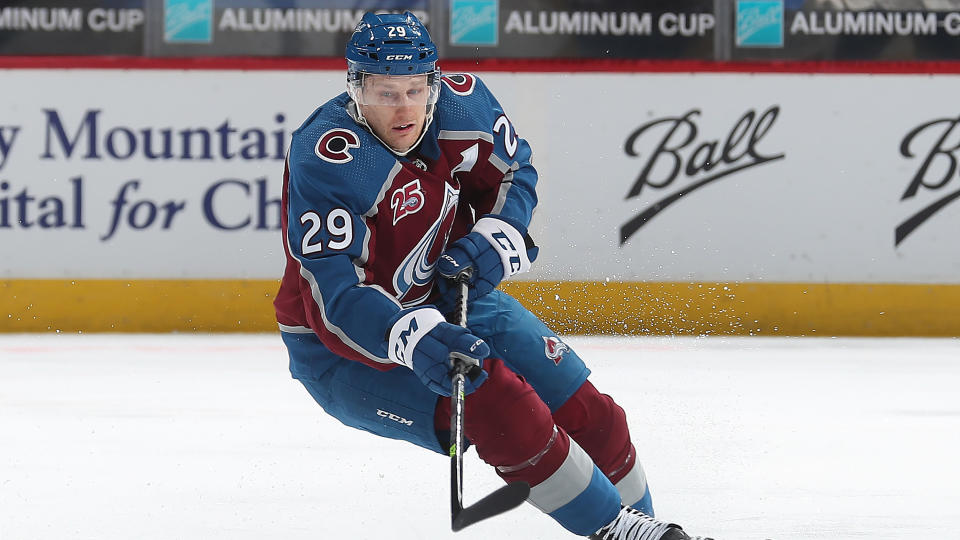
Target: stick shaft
(456, 416)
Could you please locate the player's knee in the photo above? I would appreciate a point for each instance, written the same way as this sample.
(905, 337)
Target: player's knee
(599, 425)
(501, 392)
(493, 421)
(588, 408)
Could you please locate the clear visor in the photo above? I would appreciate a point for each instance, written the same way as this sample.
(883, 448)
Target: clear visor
(395, 90)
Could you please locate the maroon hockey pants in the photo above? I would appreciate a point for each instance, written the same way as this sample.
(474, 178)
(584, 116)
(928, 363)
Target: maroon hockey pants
(514, 430)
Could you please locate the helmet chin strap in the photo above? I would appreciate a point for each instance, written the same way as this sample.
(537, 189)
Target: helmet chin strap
(354, 111)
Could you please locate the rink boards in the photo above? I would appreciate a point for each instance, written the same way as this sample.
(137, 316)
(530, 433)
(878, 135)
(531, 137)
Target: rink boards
(725, 203)
(570, 307)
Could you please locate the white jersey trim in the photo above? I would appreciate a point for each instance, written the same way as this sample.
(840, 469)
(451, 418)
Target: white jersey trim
(387, 183)
(500, 164)
(464, 135)
(505, 186)
(365, 252)
(295, 329)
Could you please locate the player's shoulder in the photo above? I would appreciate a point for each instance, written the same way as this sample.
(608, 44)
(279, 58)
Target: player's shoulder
(464, 85)
(330, 138)
(332, 150)
(465, 100)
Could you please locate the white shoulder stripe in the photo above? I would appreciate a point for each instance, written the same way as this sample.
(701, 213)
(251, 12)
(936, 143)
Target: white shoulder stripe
(465, 135)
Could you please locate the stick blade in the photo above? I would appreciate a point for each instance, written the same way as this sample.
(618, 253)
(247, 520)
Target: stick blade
(502, 500)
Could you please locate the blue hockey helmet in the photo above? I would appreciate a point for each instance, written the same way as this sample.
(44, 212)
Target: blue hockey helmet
(397, 51)
(391, 44)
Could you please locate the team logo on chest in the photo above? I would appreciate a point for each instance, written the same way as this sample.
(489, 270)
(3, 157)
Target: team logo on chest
(554, 348)
(406, 200)
(334, 145)
(416, 270)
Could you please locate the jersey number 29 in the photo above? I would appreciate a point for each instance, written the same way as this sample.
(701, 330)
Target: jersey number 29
(339, 225)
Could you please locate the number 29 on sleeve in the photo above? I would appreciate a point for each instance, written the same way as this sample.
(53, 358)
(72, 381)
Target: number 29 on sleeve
(339, 225)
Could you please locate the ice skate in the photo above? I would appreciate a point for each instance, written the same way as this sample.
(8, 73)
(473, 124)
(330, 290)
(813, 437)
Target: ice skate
(633, 524)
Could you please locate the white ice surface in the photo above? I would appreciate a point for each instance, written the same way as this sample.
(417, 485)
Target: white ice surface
(207, 437)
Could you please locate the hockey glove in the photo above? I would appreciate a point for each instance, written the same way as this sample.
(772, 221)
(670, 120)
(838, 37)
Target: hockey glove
(495, 249)
(426, 343)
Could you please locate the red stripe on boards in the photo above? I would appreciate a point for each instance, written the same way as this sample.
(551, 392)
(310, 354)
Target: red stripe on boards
(483, 65)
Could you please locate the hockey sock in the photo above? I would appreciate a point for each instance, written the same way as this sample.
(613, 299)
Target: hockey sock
(514, 431)
(599, 426)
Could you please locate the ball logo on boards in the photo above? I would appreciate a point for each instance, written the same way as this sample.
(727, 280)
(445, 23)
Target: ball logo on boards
(672, 145)
(473, 22)
(759, 23)
(188, 21)
(936, 143)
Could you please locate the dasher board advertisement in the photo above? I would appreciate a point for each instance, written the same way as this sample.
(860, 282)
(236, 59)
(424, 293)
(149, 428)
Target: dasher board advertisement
(280, 28)
(829, 178)
(73, 27)
(838, 30)
(581, 29)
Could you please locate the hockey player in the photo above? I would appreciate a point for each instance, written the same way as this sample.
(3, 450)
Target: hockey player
(381, 180)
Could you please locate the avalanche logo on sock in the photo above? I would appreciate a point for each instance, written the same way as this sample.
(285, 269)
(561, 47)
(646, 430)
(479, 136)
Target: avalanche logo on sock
(554, 348)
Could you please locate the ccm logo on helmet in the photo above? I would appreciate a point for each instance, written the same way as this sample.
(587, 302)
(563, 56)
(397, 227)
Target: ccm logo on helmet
(334, 145)
(399, 57)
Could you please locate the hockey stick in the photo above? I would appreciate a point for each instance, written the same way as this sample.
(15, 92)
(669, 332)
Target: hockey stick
(507, 497)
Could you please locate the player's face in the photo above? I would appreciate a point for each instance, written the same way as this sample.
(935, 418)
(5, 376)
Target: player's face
(395, 107)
